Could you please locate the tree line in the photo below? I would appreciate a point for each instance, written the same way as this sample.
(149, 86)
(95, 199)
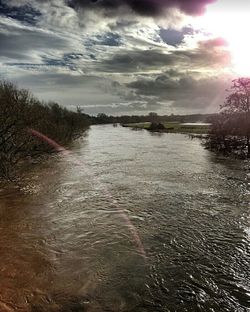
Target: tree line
(102, 118)
(20, 114)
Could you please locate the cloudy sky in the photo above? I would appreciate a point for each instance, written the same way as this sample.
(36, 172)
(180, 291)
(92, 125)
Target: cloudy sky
(125, 56)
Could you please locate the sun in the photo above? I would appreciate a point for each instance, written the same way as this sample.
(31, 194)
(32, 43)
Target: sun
(231, 22)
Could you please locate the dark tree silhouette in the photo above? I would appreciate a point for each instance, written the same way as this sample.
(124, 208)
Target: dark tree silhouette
(21, 111)
(238, 103)
(153, 117)
(230, 130)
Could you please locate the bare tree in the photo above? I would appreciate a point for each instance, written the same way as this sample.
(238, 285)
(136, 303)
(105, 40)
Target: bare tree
(21, 111)
(237, 108)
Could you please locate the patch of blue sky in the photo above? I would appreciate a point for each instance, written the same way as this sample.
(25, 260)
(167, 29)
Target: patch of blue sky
(24, 14)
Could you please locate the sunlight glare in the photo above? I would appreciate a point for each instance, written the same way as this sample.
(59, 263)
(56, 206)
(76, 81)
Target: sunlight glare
(232, 23)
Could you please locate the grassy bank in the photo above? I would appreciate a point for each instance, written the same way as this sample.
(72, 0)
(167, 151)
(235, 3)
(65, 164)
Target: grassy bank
(173, 127)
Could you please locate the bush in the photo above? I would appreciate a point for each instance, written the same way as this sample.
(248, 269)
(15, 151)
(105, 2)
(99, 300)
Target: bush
(154, 126)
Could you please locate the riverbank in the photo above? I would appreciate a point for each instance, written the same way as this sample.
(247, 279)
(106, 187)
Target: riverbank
(31, 129)
(173, 127)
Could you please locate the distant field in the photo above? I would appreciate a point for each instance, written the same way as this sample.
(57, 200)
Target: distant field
(175, 127)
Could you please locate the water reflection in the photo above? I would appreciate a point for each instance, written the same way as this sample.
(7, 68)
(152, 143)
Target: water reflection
(65, 246)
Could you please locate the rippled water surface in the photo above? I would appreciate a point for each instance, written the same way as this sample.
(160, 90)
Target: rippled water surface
(129, 221)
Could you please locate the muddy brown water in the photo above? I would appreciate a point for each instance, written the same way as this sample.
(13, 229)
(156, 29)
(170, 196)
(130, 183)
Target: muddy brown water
(65, 244)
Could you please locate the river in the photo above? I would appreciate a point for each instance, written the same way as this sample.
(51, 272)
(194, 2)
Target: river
(127, 221)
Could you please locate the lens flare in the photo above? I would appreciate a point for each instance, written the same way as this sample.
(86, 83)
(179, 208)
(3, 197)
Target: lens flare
(231, 21)
(105, 190)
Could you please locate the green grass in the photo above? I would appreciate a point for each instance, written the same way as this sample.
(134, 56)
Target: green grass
(173, 127)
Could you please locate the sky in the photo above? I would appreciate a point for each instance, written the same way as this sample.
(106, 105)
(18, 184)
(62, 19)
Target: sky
(126, 56)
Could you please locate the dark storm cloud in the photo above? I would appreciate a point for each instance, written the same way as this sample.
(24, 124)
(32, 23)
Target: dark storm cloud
(185, 92)
(145, 7)
(133, 61)
(207, 54)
